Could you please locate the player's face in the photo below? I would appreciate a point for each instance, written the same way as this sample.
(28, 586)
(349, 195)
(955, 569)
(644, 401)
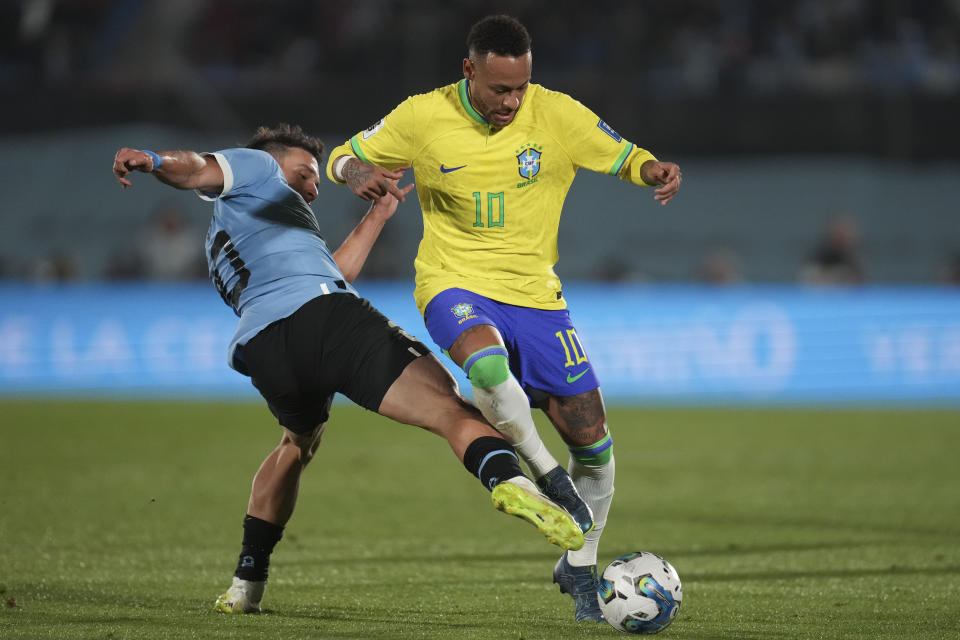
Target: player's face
(302, 172)
(497, 85)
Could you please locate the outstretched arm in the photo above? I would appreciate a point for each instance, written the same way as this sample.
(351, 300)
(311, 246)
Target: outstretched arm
(180, 169)
(356, 247)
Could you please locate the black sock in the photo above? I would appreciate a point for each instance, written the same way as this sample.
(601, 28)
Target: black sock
(492, 460)
(259, 539)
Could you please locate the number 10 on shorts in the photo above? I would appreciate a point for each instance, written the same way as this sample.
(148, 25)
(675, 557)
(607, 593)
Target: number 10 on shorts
(571, 347)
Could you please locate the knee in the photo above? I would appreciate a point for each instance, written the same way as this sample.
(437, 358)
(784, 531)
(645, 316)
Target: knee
(488, 367)
(303, 445)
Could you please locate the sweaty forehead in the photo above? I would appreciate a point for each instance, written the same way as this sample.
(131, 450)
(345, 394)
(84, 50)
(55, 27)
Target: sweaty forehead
(300, 158)
(507, 70)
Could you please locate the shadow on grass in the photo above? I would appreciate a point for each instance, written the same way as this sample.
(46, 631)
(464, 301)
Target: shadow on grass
(807, 523)
(734, 548)
(434, 557)
(409, 617)
(41, 595)
(383, 624)
(894, 570)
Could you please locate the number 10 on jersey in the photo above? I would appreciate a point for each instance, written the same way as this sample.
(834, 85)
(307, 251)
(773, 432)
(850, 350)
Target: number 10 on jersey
(494, 209)
(572, 348)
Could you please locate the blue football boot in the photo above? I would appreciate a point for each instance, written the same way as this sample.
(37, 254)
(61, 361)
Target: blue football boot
(581, 583)
(557, 485)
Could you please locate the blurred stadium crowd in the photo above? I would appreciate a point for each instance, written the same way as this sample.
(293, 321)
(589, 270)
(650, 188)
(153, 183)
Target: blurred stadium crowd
(237, 58)
(686, 47)
(875, 81)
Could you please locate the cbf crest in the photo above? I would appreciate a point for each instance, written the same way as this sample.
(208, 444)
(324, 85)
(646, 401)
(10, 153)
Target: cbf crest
(529, 161)
(463, 312)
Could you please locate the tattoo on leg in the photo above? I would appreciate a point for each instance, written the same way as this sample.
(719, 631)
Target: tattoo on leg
(457, 352)
(580, 419)
(466, 334)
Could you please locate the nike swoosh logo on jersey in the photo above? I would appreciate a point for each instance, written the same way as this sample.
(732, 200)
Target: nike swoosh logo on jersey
(572, 379)
(444, 169)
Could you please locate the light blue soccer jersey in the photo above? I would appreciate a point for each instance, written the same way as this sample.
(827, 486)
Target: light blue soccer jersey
(264, 250)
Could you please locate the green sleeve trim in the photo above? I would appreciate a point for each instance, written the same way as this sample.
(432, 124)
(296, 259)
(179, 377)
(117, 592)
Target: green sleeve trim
(355, 145)
(615, 169)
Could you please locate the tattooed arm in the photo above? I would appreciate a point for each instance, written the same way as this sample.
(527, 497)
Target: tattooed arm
(368, 180)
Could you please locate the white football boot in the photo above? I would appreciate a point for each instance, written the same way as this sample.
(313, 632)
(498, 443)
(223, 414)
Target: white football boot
(243, 596)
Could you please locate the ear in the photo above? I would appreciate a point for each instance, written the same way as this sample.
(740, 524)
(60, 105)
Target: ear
(468, 70)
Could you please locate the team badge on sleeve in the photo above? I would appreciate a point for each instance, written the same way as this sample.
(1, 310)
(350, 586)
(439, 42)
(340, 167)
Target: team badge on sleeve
(529, 160)
(372, 129)
(607, 129)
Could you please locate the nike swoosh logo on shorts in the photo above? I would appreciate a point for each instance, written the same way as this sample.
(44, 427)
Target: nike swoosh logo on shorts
(572, 379)
(444, 169)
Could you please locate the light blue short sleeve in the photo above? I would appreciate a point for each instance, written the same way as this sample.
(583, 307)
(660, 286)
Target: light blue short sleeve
(245, 171)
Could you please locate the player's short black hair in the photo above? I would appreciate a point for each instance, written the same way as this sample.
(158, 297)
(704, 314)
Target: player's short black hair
(278, 139)
(500, 35)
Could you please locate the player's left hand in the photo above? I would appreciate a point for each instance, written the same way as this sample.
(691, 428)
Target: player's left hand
(667, 175)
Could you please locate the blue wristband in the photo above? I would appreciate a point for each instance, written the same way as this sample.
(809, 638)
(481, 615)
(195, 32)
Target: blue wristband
(157, 160)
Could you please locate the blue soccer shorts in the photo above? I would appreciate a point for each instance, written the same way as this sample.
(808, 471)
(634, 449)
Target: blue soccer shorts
(544, 350)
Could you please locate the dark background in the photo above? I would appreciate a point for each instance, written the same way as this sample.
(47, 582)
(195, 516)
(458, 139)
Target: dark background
(700, 77)
(787, 117)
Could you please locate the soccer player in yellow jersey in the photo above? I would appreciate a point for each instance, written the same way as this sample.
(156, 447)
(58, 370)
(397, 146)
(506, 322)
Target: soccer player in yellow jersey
(494, 156)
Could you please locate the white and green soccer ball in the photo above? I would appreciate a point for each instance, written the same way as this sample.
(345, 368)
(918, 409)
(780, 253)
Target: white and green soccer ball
(640, 592)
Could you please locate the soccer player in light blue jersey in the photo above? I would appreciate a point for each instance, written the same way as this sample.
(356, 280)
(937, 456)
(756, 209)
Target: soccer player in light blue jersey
(305, 334)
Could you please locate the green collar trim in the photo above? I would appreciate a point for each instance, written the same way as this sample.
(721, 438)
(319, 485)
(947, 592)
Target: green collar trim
(465, 101)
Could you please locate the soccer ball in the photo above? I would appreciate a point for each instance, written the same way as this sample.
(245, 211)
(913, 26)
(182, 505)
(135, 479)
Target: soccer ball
(640, 592)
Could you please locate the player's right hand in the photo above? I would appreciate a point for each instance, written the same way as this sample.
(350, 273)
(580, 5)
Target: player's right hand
(128, 160)
(370, 181)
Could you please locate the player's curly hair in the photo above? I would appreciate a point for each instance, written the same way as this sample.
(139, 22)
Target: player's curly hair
(500, 35)
(277, 140)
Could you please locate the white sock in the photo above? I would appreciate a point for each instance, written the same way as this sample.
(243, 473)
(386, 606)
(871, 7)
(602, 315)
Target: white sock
(506, 407)
(595, 485)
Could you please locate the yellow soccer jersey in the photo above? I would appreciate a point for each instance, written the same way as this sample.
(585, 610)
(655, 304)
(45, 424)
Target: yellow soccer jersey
(491, 198)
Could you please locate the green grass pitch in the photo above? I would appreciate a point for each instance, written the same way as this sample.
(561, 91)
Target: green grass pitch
(122, 520)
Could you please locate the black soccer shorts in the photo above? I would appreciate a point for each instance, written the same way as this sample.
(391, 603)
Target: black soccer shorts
(335, 342)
